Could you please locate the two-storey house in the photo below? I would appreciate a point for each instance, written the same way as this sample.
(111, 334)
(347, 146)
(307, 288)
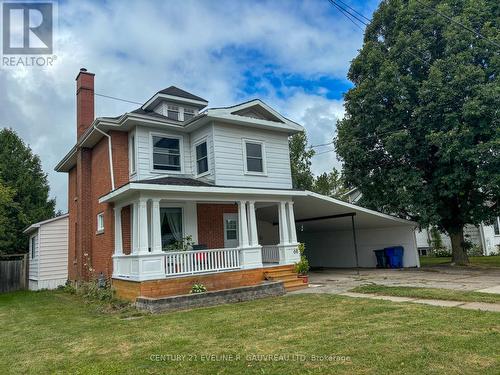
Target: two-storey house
(175, 188)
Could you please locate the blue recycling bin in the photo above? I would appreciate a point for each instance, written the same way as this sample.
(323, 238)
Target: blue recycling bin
(394, 256)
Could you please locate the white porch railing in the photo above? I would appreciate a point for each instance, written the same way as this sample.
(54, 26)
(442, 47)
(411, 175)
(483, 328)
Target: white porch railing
(270, 254)
(201, 261)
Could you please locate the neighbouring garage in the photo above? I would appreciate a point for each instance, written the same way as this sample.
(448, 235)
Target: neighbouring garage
(334, 231)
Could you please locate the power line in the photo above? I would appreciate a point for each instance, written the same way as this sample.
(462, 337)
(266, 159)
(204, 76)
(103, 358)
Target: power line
(354, 10)
(119, 99)
(321, 145)
(458, 23)
(324, 152)
(345, 14)
(351, 14)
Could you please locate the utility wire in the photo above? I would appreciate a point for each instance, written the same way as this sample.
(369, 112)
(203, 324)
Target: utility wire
(458, 23)
(345, 14)
(119, 99)
(321, 145)
(354, 10)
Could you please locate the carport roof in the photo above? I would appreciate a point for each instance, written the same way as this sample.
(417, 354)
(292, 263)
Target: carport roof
(313, 205)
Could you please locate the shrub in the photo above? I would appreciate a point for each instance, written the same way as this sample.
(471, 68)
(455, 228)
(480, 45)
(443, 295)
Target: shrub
(302, 266)
(442, 252)
(198, 288)
(475, 251)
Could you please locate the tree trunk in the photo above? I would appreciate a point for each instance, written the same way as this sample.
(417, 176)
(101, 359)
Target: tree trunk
(459, 254)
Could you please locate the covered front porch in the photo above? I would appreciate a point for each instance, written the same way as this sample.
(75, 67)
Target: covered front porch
(164, 236)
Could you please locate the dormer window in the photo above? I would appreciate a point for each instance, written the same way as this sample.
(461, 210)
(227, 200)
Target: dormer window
(188, 114)
(173, 112)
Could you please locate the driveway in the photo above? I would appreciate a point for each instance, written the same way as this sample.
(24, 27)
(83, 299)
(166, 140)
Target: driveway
(341, 280)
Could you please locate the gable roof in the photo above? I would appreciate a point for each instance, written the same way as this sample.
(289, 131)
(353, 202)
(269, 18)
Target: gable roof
(175, 91)
(34, 226)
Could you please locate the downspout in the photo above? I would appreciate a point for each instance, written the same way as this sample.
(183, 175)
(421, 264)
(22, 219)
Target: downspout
(110, 157)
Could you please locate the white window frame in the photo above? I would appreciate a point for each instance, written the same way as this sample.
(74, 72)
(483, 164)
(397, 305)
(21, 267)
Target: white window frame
(245, 164)
(183, 111)
(100, 223)
(132, 152)
(497, 219)
(179, 110)
(196, 144)
(33, 246)
(177, 205)
(181, 152)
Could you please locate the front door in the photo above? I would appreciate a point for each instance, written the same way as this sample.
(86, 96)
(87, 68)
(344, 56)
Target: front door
(231, 230)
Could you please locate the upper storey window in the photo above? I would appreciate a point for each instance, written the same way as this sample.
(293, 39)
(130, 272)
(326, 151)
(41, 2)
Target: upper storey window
(254, 157)
(188, 114)
(173, 112)
(201, 158)
(166, 154)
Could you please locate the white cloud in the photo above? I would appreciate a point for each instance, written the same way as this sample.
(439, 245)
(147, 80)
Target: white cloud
(138, 48)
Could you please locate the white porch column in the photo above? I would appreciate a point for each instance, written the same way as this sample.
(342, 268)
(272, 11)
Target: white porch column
(155, 226)
(142, 226)
(291, 222)
(242, 212)
(135, 242)
(118, 231)
(283, 224)
(254, 238)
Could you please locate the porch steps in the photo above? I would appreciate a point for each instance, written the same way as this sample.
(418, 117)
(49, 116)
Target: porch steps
(287, 275)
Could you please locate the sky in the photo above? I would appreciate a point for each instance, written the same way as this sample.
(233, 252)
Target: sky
(294, 55)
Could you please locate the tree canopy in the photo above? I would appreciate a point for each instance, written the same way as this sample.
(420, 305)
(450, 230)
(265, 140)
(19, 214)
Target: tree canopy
(24, 192)
(421, 135)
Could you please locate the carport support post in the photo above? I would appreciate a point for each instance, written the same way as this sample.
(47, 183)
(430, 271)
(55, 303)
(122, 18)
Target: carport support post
(355, 243)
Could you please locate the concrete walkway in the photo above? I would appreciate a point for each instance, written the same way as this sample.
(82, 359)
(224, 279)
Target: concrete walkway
(494, 307)
(337, 281)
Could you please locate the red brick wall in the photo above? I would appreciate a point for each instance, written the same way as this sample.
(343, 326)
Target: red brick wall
(126, 230)
(72, 210)
(103, 244)
(211, 223)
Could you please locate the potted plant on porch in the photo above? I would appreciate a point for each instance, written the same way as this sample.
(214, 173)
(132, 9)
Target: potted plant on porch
(302, 266)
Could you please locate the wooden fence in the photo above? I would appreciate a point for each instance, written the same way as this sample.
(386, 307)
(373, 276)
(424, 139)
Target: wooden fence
(13, 272)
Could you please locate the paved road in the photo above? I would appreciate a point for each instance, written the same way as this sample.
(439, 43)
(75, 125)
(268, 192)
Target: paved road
(341, 280)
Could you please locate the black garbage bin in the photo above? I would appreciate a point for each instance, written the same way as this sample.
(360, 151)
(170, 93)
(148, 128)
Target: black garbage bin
(381, 258)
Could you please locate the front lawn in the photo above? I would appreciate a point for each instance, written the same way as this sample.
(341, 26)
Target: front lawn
(485, 261)
(428, 293)
(54, 332)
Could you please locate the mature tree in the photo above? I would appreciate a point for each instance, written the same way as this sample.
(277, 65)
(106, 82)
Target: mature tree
(6, 204)
(330, 184)
(21, 173)
(300, 161)
(421, 135)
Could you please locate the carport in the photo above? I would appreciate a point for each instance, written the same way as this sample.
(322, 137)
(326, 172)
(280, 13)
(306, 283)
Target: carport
(336, 233)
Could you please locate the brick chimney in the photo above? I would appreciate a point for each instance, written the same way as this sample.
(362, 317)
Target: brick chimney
(84, 101)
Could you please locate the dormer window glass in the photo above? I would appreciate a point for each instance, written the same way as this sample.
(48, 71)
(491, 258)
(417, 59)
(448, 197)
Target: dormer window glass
(201, 158)
(188, 114)
(166, 154)
(173, 112)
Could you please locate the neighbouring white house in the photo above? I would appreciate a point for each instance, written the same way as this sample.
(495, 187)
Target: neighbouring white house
(48, 253)
(485, 237)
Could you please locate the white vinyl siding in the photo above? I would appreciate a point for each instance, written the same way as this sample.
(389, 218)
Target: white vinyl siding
(54, 250)
(229, 157)
(33, 260)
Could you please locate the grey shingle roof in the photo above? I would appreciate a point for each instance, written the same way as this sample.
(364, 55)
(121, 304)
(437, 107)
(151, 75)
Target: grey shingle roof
(180, 181)
(175, 91)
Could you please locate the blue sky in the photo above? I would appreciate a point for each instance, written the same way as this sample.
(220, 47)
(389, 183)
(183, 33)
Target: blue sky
(294, 55)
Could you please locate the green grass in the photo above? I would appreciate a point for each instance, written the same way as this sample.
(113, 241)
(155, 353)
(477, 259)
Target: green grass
(486, 261)
(428, 293)
(57, 333)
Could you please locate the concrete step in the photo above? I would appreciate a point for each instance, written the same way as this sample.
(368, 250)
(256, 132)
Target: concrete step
(282, 273)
